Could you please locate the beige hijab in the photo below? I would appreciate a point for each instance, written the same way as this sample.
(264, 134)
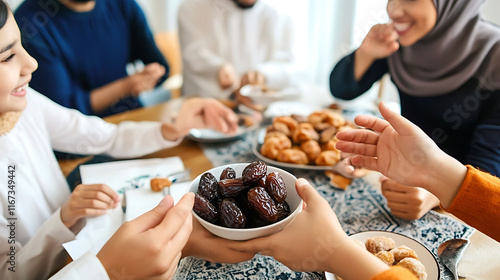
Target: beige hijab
(461, 46)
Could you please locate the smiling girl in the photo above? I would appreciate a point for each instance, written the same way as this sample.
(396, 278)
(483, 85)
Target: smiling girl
(444, 60)
(38, 211)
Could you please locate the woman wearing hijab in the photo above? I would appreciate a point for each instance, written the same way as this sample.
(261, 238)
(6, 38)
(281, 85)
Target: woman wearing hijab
(444, 60)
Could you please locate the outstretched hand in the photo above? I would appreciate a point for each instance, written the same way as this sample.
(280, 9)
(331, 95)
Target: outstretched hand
(149, 247)
(396, 147)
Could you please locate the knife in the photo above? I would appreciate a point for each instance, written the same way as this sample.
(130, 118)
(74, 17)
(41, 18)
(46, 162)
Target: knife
(124, 206)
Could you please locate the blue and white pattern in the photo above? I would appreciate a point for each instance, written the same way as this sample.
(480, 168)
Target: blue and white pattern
(359, 208)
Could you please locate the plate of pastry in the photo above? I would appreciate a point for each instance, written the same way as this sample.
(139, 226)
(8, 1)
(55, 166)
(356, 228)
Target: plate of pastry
(303, 142)
(397, 249)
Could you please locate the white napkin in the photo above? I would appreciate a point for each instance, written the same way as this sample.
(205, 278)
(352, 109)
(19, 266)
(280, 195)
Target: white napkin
(133, 176)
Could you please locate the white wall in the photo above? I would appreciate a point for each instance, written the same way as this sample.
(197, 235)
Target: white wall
(491, 11)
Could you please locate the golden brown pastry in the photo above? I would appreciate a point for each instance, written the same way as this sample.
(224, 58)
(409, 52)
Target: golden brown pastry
(273, 145)
(330, 145)
(279, 126)
(305, 132)
(311, 148)
(402, 252)
(386, 256)
(157, 184)
(379, 243)
(328, 158)
(278, 134)
(289, 121)
(338, 181)
(415, 266)
(293, 156)
(327, 134)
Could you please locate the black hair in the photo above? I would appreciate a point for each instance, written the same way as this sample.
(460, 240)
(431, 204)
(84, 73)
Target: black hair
(4, 13)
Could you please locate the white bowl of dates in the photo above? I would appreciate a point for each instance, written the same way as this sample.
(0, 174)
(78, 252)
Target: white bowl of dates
(243, 201)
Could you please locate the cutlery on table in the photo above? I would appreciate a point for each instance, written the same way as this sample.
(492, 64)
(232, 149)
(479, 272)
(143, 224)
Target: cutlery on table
(177, 177)
(451, 252)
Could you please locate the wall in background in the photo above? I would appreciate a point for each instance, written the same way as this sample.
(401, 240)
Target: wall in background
(491, 11)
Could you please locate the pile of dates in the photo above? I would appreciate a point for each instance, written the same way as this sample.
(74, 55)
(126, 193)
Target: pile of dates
(252, 200)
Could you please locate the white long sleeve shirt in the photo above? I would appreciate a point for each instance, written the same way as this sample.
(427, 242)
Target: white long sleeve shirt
(213, 32)
(39, 186)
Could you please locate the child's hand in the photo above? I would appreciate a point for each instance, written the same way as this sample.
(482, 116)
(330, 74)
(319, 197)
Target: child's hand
(345, 168)
(203, 244)
(380, 42)
(149, 247)
(406, 202)
(205, 113)
(88, 201)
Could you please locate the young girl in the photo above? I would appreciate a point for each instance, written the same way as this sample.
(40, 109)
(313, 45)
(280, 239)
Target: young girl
(443, 58)
(38, 211)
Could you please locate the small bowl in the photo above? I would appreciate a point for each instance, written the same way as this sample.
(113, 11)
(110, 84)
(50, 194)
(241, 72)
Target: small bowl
(293, 200)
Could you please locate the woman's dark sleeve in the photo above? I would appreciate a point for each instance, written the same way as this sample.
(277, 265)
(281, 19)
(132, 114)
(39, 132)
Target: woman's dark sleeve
(342, 82)
(484, 151)
(143, 43)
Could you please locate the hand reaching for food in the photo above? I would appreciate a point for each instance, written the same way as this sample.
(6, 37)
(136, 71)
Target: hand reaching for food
(252, 78)
(146, 79)
(88, 201)
(226, 76)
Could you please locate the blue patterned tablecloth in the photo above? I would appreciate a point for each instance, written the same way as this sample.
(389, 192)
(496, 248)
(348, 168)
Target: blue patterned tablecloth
(360, 208)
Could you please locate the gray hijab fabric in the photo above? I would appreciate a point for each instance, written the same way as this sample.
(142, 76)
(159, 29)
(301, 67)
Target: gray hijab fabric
(461, 46)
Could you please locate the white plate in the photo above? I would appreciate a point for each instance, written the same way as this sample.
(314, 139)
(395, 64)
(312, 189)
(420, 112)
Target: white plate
(256, 150)
(212, 136)
(265, 98)
(425, 256)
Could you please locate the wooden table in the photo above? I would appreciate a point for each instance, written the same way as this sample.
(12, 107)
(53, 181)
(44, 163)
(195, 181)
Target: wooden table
(190, 152)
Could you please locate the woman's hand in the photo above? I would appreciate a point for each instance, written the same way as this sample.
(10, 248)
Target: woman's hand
(88, 201)
(149, 247)
(203, 244)
(380, 42)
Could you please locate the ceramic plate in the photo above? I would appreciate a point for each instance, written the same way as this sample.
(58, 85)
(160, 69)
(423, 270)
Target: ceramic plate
(426, 257)
(212, 136)
(266, 97)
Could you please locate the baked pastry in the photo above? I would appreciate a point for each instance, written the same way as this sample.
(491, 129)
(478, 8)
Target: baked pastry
(305, 132)
(293, 156)
(311, 148)
(157, 184)
(415, 266)
(330, 145)
(328, 158)
(402, 252)
(327, 134)
(285, 140)
(289, 121)
(379, 243)
(279, 126)
(273, 145)
(338, 181)
(386, 256)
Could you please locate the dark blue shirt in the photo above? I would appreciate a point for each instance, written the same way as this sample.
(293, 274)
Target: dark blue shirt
(79, 52)
(465, 123)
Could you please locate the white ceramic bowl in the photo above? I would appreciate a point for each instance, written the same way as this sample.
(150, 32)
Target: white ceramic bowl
(293, 200)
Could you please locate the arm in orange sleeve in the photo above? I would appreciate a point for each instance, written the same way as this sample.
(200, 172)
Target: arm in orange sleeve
(477, 202)
(395, 273)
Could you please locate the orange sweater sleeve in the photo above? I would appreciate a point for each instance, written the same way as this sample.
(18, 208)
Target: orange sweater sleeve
(395, 273)
(477, 202)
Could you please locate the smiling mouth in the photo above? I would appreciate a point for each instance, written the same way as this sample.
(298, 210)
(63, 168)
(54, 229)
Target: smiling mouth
(20, 91)
(402, 28)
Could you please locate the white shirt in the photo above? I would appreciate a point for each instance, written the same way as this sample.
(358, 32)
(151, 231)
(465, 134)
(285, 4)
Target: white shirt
(40, 187)
(213, 32)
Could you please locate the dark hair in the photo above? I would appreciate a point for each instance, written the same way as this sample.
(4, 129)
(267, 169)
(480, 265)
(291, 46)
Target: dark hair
(4, 13)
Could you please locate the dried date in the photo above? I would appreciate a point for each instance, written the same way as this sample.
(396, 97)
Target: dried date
(205, 209)
(232, 187)
(231, 215)
(262, 203)
(276, 187)
(208, 186)
(253, 172)
(228, 173)
(283, 210)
